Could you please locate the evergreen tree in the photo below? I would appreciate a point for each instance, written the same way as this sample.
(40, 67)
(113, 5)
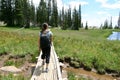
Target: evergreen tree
(116, 27)
(54, 17)
(65, 21)
(32, 19)
(75, 25)
(18, 13)
(42, 12)
(26, 13)
(3, 9)
(110, 26)
(101, 26)
(60, 18)
(79, 17)
(0, 10)
(7, 12)
(105, 26)
(69, 22)
(119, 20)
(82, 25)
(49, 11)
(86, 26)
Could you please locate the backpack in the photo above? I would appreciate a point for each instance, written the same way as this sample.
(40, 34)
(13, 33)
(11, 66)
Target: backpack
(44, 40)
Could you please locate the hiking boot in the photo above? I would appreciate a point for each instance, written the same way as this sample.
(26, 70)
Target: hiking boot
(46, 70)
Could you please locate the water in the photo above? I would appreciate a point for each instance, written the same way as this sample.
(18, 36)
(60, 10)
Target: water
(90, 75)
(114, 36)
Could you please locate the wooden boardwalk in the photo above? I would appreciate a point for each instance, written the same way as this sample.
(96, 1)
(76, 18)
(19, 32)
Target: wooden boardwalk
(54, 68)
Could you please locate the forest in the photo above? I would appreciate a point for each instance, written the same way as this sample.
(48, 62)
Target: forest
(24, 13)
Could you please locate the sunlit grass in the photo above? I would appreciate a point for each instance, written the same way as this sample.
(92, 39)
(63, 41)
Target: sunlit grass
(90, 47)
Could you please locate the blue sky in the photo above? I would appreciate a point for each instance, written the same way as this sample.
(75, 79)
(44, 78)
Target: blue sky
(95, 12)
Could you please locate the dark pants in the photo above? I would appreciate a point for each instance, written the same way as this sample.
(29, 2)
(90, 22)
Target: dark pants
(46, 53)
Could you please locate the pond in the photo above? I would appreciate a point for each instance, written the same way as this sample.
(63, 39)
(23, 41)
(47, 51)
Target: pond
(114, 36)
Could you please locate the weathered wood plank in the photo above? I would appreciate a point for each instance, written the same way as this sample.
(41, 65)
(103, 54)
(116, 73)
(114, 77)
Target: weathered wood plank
(54, 70)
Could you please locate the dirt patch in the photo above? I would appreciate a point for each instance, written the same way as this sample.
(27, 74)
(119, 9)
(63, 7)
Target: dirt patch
(21, 62)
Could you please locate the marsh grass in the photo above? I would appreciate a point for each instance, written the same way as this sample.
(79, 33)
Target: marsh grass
(18, 42)
(12, 77)
(89, 47)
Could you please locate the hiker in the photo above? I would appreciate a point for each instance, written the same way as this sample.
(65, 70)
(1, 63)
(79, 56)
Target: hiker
(45, 42)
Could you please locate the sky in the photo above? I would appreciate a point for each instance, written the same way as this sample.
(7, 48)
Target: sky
(94, 12)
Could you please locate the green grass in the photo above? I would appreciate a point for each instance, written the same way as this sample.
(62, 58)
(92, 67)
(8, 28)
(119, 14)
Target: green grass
(90, 47)
(71, 76)
(12, 77)
(18, 42)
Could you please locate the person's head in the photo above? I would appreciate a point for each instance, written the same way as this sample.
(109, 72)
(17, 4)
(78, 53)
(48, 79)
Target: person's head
(44, 26)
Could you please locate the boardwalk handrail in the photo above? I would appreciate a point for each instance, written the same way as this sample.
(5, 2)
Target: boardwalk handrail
(57, 64)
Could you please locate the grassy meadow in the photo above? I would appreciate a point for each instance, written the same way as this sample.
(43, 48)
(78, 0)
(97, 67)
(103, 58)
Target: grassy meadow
(83, 48)
(18, 41)
(89, 48)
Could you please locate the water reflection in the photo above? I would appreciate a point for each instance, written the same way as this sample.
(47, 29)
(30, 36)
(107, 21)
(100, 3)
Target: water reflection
(114, 36)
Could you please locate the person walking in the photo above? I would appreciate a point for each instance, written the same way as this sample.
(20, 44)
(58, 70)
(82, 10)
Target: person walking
(45, 42)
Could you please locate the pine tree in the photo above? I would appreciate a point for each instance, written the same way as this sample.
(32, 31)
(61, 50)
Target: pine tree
(7, 12)
(69, 18)
(60, 18)
(18, 13)
(86, 26)
(79, 17)
(65, 22)
(119, 21)
(42, 12)
(110, 26)
(26, 13)
(101, 26)
(64, 19)
(10, 13)
(105, 26)
(82, 25)
(0, 10)
(54, 17)
(75, 25)
(49, 11)
(3, 9)
(32, 13)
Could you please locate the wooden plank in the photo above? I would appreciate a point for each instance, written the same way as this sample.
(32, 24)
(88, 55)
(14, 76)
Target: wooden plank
(53, 73)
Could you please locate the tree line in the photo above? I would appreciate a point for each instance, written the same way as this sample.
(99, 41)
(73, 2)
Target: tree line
(108, 24)
(23, 13)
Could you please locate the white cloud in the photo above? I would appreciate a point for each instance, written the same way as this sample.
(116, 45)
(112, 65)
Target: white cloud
(36, 2)
(106, 4)
(104, 13)
(102, 1)
(112, 6)
(99, 19)
(76, 4)
(101, 12)
(60, 4)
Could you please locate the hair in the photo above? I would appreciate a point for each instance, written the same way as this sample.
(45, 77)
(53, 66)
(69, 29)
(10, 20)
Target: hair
(44, 26)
